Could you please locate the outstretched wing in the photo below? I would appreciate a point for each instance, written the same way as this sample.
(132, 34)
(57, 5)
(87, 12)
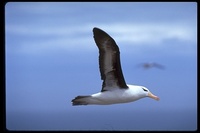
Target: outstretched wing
(109, 61)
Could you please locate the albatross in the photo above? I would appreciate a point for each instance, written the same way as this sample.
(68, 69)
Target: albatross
(114, 88)
(150, 65)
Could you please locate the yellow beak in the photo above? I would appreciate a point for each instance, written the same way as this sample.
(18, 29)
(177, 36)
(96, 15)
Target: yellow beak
(153, 96)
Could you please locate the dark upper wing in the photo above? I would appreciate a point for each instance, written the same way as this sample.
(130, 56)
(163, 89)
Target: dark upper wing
(109, 61)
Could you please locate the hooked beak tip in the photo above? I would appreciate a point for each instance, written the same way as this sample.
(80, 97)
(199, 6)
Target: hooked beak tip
(153, 96)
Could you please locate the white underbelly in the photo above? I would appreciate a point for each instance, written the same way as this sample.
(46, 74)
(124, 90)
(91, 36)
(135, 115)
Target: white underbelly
(112, 97)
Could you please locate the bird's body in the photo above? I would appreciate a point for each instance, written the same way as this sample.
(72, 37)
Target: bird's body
(113, 96)
(114, 88)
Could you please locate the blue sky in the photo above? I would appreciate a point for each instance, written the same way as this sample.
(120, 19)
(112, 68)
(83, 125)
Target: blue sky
(51, 57)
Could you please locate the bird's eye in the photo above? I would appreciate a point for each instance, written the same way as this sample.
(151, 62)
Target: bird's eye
(144, 89)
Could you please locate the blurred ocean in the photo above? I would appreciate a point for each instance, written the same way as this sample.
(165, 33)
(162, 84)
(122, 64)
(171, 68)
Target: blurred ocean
(136, 121)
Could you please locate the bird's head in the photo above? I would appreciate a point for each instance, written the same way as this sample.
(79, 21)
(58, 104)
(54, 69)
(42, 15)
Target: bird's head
(149, 94)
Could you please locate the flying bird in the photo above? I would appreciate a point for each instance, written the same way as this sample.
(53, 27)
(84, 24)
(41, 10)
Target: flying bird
(114, 88)
(151, 65)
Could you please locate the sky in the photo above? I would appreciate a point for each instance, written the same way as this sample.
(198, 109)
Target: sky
(51, 57)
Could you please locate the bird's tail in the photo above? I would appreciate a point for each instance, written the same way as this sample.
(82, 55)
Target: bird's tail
(80, 100)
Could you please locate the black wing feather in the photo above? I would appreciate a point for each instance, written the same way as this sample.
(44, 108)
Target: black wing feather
(109, 61)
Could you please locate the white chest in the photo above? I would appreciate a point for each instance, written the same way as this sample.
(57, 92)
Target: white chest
(116, 96)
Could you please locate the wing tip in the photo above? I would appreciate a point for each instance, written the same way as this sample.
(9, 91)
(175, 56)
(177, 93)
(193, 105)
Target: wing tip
(80, 100)
(96, 28)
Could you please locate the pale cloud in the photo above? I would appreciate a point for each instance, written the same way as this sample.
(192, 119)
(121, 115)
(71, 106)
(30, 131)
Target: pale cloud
(151, 33)
(81, 37)
(42, 26)
(139, 33)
